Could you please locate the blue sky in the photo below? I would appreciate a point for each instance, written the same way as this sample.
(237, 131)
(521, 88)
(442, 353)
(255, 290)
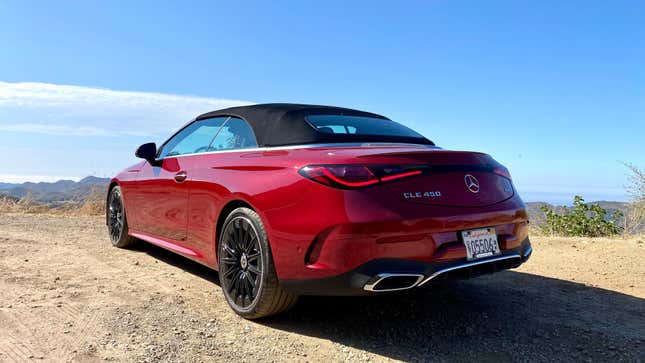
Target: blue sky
(554, 90)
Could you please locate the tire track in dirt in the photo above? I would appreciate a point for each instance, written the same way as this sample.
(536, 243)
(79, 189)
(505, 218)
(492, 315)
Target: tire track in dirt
(17, 342)
(38, 341)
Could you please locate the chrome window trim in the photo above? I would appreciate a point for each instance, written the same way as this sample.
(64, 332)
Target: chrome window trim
(469, 264)
(309, 146)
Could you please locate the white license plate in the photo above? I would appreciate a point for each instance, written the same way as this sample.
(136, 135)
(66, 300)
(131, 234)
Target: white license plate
(480, 243)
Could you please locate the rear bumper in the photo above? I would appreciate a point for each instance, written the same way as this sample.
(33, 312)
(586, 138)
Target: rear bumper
(392, 274)
(345, 229)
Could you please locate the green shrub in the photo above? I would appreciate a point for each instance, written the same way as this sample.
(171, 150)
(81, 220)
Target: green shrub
(582, 220)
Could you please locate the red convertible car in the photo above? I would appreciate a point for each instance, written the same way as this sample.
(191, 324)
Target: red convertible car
(286, 200)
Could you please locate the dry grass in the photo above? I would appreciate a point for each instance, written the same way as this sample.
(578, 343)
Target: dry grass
(536, 231)
(635, 218)
(23, 205)
(93, 204)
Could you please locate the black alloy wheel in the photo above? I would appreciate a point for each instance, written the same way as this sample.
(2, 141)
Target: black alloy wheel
(246, 268)
(241, 263)
(116, 220)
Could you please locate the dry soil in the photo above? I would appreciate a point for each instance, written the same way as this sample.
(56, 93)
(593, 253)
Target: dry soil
(67, 295)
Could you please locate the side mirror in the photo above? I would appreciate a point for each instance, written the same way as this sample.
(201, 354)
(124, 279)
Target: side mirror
(148, 152)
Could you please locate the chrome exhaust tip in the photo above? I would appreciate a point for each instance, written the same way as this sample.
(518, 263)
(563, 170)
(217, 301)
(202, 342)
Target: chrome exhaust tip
(392, 282)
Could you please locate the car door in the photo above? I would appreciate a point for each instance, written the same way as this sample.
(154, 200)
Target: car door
(214, 176)
(162, 190)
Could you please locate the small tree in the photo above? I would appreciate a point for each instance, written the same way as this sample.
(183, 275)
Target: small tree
(635, 219)
(582, 220)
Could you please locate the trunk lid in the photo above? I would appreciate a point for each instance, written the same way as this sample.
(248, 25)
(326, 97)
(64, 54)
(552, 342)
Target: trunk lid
(450, 178)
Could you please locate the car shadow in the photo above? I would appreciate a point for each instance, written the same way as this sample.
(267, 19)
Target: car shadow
(505, 317)
(509, 316)
(176, 260)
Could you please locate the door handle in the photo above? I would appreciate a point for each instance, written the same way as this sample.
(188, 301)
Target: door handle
(181, 176)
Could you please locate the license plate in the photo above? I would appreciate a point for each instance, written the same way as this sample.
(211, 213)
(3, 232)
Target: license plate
(480, 243)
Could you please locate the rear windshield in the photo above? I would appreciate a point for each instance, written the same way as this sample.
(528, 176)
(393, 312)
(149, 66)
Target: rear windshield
(359, 125)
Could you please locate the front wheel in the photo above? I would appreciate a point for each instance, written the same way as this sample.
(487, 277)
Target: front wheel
(246, 270)
(116, 220)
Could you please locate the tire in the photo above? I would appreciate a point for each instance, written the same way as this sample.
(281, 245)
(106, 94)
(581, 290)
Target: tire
(116, 220)
(246, 268)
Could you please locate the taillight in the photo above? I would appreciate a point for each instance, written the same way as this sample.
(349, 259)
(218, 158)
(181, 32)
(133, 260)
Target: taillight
(355, 176)
(501, 170)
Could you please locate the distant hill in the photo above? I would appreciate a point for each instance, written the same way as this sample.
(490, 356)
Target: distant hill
(4, 186)
(62, 190)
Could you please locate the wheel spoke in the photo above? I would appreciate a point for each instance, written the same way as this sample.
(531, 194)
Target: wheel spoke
(251, 284)
(243, 285)
(246, 237)
(229, 250)
(237, 247)
(229, 260)
(240, 284)
(248, 288)
(254, 269)
(238, 232)
(249, 243)
(230, 273)
(233, 288)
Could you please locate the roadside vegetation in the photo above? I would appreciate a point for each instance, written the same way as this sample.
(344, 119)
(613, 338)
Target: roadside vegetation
(582, 220)
(591, 220)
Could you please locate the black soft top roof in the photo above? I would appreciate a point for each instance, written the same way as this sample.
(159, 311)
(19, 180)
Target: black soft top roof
(278, 124)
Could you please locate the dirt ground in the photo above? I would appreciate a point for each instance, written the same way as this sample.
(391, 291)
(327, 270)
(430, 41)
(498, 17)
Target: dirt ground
(67, 295)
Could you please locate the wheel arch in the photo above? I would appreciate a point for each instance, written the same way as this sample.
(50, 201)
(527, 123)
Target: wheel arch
(223, 214)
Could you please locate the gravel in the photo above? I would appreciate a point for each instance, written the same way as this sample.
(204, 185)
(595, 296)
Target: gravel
(79, 299)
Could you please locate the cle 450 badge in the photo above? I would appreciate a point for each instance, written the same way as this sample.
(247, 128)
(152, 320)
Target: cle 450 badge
(414, 195)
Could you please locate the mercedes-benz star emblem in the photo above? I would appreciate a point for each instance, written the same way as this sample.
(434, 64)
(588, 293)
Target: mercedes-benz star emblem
(471, 183)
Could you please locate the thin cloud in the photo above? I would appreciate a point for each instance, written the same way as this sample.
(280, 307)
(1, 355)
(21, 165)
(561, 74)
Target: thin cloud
(64, 130)
(18, 179)
(84, 111)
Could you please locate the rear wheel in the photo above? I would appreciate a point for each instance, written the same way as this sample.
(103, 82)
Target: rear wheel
(116, 220)
(246, 270)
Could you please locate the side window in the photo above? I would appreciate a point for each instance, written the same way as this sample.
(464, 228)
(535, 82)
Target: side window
(235, 134)
(194, 138)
